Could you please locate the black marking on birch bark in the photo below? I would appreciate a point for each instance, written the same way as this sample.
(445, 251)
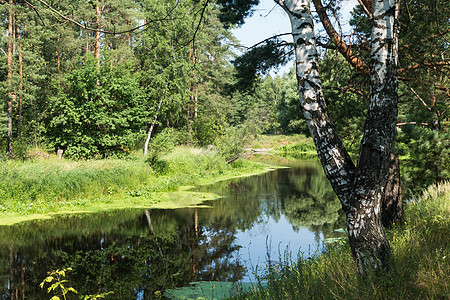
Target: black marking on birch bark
(389, 12)
(302, 41)
(305, 25)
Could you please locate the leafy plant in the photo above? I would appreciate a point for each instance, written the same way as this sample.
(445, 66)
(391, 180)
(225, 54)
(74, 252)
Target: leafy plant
(231, 143)
(58, 284)
(55, 278)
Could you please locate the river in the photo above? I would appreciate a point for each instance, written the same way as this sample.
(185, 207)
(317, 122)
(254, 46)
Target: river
(147, 254)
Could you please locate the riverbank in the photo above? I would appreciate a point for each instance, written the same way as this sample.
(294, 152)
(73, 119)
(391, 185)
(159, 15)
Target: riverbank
(39, 188)
(420, 247)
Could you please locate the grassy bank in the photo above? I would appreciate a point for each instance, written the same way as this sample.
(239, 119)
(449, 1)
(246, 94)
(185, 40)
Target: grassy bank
(36, 188)
(421, 251)
(297, 145)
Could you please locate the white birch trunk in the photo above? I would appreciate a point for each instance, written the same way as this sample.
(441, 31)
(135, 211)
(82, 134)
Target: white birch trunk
(335, 160)
(359, 189)
(149, 134)
(366, 233)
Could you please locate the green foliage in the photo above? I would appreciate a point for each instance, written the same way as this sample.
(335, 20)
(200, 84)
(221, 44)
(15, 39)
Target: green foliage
(57, 283)
(259, 60)
(289, 111)
(234, 12)
(97, 113)
(306, 147)
(207, 130)
(162, 144)
(193, 162)
(55, 278)
(233, 140)
(347, 106)
(428, 161)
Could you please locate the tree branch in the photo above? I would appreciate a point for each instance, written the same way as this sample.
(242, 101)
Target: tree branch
(268, 39)
(342, 47)
(411, 123)
(198, 25)
(105, 31)
(365, 8)
(418, 97)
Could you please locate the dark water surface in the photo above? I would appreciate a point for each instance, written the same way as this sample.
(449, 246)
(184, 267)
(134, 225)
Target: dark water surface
(140, 254)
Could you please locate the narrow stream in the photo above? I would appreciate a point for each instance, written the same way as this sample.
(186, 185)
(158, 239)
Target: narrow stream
(145, 254)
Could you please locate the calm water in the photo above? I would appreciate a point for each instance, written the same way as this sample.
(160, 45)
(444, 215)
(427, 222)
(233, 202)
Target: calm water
(139, 254)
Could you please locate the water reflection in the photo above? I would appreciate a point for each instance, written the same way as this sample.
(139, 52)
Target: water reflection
(138, 253)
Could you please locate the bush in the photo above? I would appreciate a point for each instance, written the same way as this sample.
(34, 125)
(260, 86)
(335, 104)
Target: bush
(233, 140)
(98, 112)
(429, 159)
(162, 144)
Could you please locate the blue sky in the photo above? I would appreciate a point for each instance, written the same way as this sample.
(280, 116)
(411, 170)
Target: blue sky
(270, 19)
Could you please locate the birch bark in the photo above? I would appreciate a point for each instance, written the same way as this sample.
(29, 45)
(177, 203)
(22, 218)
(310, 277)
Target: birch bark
(366, 233)
(360, 189)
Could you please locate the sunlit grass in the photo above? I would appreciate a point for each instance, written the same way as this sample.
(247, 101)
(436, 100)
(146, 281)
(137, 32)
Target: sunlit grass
(51, 185)
(420, 247)
(272, 141)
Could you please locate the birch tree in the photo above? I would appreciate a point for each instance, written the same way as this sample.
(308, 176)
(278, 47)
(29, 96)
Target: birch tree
(360, 188)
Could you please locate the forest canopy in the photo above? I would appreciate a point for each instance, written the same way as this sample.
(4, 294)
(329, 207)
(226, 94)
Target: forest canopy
(95, 78)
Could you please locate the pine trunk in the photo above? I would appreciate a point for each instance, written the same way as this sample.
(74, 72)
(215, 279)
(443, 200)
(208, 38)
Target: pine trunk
(98, 10)
(19, 104)
(11, 95)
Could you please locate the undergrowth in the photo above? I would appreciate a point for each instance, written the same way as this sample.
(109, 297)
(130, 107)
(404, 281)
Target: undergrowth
(420, 247)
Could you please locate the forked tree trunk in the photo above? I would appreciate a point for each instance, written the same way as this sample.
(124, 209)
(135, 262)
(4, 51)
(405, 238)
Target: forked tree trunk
(362, 188)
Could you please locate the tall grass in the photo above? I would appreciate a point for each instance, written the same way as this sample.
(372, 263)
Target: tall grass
(276, 141)
(51, 185)
(37, 183)
(420, 247)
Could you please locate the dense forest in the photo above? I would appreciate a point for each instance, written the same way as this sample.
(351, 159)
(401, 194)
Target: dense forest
(102, 78)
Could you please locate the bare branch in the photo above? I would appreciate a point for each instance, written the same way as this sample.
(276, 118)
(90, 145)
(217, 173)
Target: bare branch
(411, 123)
(366, 9)
(418, 97)
(106, 31)
(268, 39)
(199, 23)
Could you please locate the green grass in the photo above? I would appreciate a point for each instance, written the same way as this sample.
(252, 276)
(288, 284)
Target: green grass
(35, 188)
(277, 141)
(420, 247)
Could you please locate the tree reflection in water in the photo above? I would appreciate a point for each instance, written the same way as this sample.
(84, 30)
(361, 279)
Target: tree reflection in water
(137, 253)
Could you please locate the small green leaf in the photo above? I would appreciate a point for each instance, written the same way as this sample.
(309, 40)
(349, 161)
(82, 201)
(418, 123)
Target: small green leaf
(71, 289)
